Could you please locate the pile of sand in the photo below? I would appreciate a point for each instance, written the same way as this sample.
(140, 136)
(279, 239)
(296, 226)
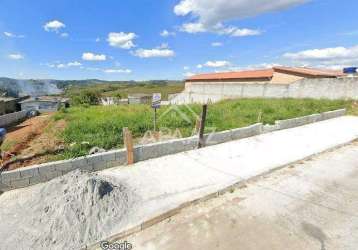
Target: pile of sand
(66, 213)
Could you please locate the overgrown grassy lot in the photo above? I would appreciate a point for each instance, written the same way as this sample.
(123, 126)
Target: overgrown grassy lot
(102, 125)
(122, 90)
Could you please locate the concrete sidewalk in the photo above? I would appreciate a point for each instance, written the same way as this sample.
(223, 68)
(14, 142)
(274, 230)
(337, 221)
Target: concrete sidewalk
(310, 205)
(165, 183)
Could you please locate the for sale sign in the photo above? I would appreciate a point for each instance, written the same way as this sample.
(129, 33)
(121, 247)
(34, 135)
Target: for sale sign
(157, 98)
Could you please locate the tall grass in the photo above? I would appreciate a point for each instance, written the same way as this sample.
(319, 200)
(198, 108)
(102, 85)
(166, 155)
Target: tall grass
(102, 125)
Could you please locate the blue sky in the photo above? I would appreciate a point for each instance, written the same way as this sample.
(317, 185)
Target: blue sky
(172, 39)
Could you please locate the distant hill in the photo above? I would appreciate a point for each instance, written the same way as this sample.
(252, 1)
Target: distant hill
(40, 87)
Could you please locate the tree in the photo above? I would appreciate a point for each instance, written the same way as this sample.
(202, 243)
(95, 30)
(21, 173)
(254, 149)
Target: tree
(86, 97)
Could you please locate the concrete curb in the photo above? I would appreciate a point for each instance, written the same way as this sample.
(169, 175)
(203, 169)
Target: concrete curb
(32, 175)
(238, 185)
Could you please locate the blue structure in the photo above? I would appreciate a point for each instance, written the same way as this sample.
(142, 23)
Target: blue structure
(350, 70)
(2, 135)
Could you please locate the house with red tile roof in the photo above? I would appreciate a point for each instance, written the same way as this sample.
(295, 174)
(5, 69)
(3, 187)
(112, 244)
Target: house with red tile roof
(276, 82)
(275, 75)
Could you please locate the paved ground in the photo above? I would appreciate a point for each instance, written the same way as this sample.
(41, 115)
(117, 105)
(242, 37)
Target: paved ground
(162, 184)
(311, 205)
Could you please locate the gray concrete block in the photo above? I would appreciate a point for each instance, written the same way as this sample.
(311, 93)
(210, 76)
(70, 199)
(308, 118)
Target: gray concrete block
(270, 128)
(121, 156)
(4, 187)
(10, 175)
(190, 143)
(37, 179)
(108, 156)
(49, 171)
(175, 146)
(286, 124)
(73, 164)
(29, 172)
(5, 181)
(93, 162)
(153, 150)
(245, 132)
(92, 166)
(20, 183)
(112, 164)
(314, 118)
(299, 121)
(333, 114)
(219, 137)
(99, 166)
(52, 175)
(137, 154)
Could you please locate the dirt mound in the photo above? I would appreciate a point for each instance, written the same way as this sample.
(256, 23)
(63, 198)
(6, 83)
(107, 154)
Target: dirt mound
(66, 213)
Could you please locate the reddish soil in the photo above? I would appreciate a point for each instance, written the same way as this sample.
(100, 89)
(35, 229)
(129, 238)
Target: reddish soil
(31, 141)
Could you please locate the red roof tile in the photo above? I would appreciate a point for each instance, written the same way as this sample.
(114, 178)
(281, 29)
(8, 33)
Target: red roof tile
(249, 74)
(265, 74)
(309, 71)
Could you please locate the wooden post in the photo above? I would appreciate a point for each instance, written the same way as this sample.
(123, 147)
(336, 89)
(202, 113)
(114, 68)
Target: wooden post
(202, 126)
(197, 126)
(128, 142)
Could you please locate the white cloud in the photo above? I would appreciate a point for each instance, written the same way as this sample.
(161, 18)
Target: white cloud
(121, 40)
(199, 66)
(186, 67)
(193, 28)
(92, 69)
(337, 57)
(216, 11)
(188, 74)
(65, 65)
(216, 44)
(54, 26)
(324, 54)
(12, 35)
(218, 29)
(161, 51)
(8, 34)
(88, 56)
(210, 15)
(98, 40)
(217, 64)
(64, 35)
(74, 64)
(118, 71)
(244, 32)
(166, 33)
(16, 56)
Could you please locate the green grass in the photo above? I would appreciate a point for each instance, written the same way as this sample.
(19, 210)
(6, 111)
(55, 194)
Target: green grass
(7, 145)
(102, 125)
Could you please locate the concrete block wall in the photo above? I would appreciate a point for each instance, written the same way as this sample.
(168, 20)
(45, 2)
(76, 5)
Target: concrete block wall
(233, 134)
(32, 175)
(327, 88)
(12, 118)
